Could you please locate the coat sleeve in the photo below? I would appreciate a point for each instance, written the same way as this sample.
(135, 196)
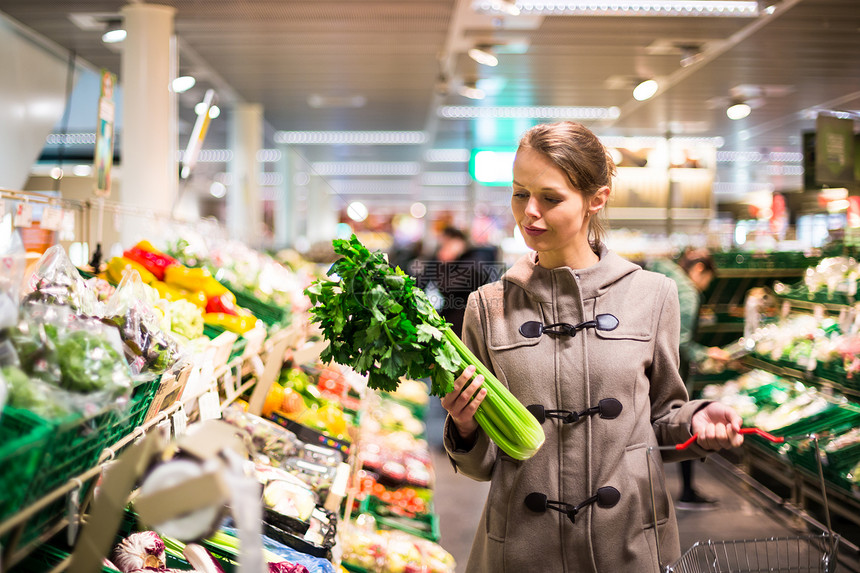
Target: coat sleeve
(475, 459)
(671, 410)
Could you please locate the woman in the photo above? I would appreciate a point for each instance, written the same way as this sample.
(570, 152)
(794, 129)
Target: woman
(541, 514)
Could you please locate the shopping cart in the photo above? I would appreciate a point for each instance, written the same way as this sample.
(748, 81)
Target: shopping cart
(793, 554)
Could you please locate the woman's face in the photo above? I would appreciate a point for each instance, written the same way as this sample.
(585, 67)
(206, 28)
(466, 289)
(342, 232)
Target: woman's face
(549, 211)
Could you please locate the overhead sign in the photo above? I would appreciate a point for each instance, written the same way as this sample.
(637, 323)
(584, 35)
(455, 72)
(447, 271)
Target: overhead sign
(492, 166)
(103, 161)
(834, 150)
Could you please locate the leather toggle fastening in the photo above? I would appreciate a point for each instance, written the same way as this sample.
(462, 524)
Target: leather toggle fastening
(535, 329)
(606, 497)
(608, 409)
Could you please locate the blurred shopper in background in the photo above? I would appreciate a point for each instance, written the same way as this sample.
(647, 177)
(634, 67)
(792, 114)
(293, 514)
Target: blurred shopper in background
(692, 272)
(457, 270)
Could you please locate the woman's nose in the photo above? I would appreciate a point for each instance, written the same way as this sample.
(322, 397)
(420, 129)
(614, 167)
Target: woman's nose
(532, 208)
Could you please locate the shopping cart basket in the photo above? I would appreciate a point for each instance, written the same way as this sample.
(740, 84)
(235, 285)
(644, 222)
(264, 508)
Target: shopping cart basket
(793, 554)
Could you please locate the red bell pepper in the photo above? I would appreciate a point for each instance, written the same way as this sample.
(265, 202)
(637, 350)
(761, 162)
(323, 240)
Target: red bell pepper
(151, 258)
(222, 304)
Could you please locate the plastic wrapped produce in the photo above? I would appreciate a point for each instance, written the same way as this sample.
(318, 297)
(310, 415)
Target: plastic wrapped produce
(271, 443)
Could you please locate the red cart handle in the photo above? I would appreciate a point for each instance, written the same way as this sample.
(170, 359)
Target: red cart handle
(757, 431)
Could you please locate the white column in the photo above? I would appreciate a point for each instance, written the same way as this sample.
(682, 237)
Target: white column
(284, 231)
(149, 172)
(244, 207)
(322, 214)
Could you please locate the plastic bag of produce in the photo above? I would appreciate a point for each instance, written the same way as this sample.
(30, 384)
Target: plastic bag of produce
(13, 260)
(81, 358)
(270, 443)
(147, 347)
(56, 281)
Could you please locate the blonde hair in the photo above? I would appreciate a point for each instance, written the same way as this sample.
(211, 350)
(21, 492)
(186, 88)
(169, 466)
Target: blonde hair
(575, 149)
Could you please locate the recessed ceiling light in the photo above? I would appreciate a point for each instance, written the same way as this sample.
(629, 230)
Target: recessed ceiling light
(527, 112)
(738, 111)
(183, 84)
(645, 90)
(357, 211)
(484, 56)
(114, 32)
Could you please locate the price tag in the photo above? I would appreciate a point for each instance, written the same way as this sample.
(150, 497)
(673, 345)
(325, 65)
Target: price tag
(786, 308)
(180, 422)
(207, 369)
(254, 341)
(23, 215)
(257, 365)
(67, 230)
(818, 311)
(164, 427)
(52, 218)
(210, 406)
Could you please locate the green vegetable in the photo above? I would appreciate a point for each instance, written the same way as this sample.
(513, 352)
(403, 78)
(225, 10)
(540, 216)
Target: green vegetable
(378, 323)
(89, 363)
(33, 395)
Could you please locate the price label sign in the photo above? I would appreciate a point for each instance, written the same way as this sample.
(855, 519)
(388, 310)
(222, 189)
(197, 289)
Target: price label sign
(52, 218)
(180, 422)
(23, 215)
(2, 208)
(210, 406)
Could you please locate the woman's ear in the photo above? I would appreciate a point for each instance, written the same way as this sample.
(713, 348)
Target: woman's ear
(600, 199)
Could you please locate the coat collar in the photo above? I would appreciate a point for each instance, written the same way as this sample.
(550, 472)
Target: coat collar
(593, 281)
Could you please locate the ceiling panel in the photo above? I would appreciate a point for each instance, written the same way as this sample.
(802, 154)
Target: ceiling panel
(406, 58)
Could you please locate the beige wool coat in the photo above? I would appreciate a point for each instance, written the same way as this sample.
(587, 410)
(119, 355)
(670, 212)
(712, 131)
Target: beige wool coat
(636, 363)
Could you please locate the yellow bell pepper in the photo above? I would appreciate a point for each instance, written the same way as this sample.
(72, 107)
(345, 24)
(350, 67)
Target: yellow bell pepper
(196, 279)
(170, 292)
(237, 324)
(118, 266)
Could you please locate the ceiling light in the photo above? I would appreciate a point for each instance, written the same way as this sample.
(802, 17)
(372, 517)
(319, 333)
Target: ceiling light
(724, 8)
(738, 111)
(351, 137)
(366, 168)
(508, 7)
(183, 83)
(645, 90)
(484, 56)
(447, 155)
(200, 109)
(527, 112)
(418, 210)
(471, 91)
(114, 32)
(217, 189)
(357, 211)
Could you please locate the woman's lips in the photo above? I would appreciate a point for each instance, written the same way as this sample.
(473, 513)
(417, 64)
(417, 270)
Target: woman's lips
(533, 231)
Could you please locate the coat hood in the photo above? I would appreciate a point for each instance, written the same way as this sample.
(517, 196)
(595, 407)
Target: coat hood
(593, 281)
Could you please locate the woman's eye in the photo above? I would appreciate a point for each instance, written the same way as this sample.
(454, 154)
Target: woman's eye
(520, 195)
(553, 200)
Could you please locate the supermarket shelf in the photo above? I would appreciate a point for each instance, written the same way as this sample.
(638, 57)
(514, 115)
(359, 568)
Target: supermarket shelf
(753, 272)
(808, 305)
(722, 327)
(241, 364)
(805, 376)
(791, 502)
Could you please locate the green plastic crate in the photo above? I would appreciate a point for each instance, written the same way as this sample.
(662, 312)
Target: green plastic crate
(269, 313)
(426, 525)
(72, 446)
(21, 450)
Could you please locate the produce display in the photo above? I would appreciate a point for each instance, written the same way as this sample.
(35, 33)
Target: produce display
(96, 349)
(380, 324)
(834, 280)
(786, 407)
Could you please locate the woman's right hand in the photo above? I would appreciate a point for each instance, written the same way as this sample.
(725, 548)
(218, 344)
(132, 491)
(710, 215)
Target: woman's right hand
(462, 403)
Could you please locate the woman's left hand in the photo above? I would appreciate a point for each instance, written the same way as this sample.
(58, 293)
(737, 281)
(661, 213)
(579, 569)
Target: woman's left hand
(717, 426)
